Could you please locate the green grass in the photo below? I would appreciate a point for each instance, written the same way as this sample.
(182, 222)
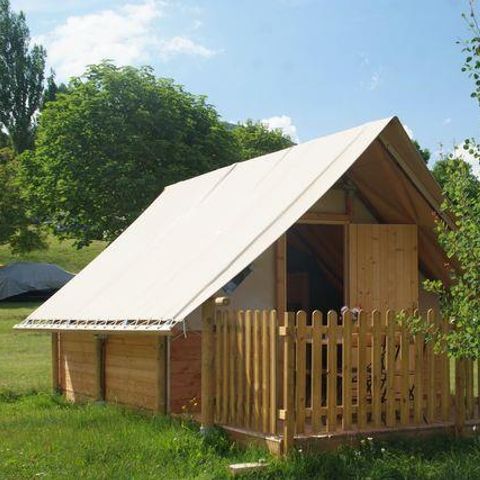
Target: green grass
(42, 436)
(24, 357)
(62, 253)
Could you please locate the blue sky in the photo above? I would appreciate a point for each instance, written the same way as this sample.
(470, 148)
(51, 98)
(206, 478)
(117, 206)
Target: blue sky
(309, 66)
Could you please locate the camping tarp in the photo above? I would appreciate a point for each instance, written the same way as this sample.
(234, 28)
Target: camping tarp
(25, 277)
(202, 232)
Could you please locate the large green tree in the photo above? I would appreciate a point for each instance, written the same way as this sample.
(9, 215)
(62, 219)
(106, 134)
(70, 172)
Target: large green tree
(460, 297)
(21, 78)
(255, 139)
(107, 148)
(16, 228)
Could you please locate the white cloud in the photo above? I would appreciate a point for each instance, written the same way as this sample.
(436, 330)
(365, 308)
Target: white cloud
(283, 123)
(375, 80)
(446, 121)
(127, 35)
(408, 130)
(460, 152)
(182, 45)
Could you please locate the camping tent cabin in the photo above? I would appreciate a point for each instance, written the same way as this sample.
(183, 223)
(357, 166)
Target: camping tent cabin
(343, 220)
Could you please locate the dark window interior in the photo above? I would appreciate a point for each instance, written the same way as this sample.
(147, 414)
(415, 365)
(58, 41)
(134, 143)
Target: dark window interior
(315, 267)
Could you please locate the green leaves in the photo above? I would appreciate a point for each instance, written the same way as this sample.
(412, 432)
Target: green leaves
(21, 78)
(108, 146)
(254, 139)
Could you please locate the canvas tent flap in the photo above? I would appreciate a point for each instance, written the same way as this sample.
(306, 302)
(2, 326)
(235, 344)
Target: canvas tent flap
(201, 232)
(24, 277)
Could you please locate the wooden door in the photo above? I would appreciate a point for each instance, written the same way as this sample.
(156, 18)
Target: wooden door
(382, 267)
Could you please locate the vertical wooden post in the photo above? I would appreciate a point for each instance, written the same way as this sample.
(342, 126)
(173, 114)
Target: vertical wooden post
(161, 357)
(265, 372)
(391, 347)
(55, 363)
(459, 395)
(100, 366)
(208, 374)
(273, 371)
(288, 383)
(281, 273)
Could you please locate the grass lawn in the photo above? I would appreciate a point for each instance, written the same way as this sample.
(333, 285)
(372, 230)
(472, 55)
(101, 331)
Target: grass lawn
(62, 253)
(42, 436)
(24, 357)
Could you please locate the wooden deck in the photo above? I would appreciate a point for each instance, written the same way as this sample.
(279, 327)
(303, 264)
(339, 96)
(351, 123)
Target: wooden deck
(332, 379)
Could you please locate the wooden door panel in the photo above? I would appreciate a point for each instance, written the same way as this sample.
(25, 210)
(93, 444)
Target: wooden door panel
(383, 267)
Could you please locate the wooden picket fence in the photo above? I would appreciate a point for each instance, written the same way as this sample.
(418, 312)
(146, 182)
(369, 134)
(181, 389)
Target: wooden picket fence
(333, 374)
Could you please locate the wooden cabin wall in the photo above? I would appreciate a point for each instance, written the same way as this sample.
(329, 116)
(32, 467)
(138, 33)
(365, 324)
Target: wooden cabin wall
(77, 369)
(185, 372)
(131, 372)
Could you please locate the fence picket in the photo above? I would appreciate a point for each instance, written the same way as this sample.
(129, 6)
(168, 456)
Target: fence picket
(240, 368)
(300, 373)
(248, 369)
(418, 388)
(347, 371)
(430, 384)
(219, 377)
(317, 321)
(257, 394)
(226, 367)
(391, 369)
(404, 375)
(376, 369)
(445, 379)
(233, 367)
(332, 371)
(362, 372)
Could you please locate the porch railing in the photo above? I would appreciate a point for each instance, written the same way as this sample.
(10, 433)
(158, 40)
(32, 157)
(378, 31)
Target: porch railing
(309, 375)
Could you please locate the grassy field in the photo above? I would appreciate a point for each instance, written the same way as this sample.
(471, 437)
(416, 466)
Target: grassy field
(62, 253)
(24, 357)
(41, 436)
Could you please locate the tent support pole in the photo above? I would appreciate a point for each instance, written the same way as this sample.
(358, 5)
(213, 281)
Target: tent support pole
(100, 341)
(55, 363)
(162, 375)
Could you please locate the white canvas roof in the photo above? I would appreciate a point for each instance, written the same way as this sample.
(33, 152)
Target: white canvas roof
(200, 233)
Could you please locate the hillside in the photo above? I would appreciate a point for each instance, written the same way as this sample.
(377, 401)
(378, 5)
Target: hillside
(63, 253)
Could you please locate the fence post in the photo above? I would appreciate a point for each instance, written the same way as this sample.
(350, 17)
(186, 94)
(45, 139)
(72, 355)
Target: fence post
(208, 374)
(273, 371)
(288, 382)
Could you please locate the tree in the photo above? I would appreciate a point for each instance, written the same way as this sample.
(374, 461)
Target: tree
(52, 89)
(16, 228)
(424, 152)
(460, 297)
(107, 148)
(255, 139)
(444, 166)
(21, 78)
